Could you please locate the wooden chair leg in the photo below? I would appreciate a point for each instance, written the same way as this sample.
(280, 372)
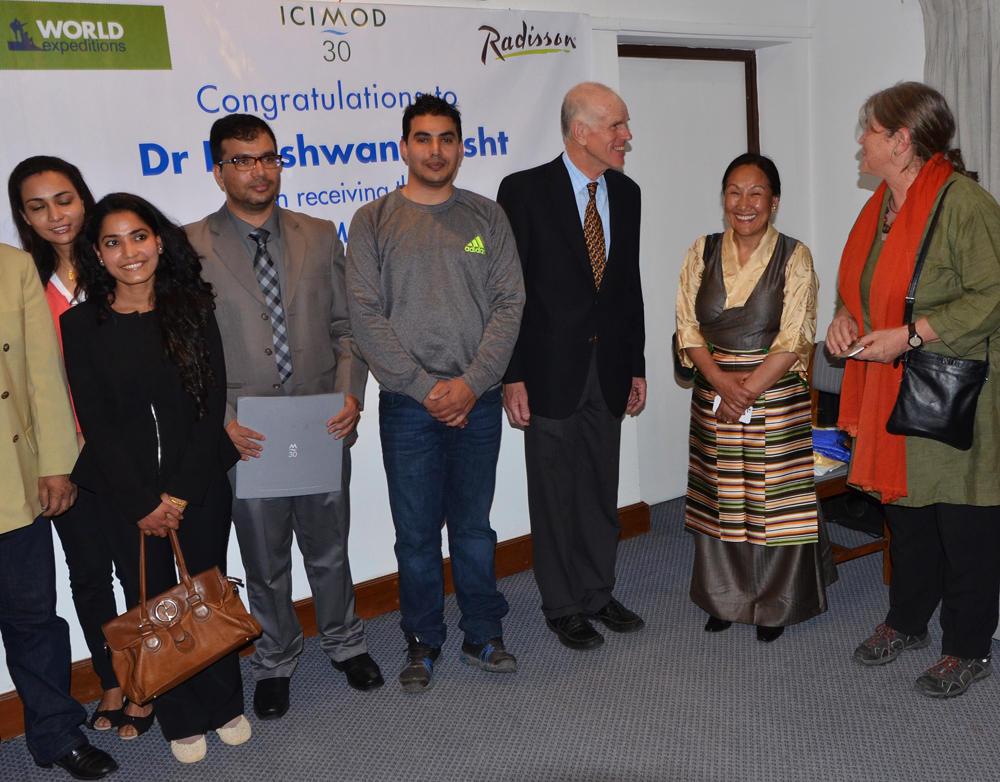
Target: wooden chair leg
(886, 557)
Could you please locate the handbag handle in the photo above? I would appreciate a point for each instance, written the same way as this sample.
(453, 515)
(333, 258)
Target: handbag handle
(193, 596)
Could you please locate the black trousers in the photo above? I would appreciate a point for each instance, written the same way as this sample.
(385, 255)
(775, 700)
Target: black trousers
(83, 533)
(214, 696)
(572, 466)
(947, 554)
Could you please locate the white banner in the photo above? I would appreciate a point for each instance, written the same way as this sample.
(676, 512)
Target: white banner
(331, 79)
(96, 84)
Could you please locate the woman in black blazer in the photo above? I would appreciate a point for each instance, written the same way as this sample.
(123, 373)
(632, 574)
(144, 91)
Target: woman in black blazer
(145, 361)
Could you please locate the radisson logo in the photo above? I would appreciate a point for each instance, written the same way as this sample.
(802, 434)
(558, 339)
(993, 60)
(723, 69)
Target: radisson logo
(527, 41)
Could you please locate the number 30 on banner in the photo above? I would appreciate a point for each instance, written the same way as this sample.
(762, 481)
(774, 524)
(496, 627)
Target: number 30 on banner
(336, 50)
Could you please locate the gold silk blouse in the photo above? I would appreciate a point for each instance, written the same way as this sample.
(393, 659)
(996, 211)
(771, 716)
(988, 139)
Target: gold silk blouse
(798, 316)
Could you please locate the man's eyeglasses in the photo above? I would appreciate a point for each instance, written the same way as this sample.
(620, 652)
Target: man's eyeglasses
(249, 162)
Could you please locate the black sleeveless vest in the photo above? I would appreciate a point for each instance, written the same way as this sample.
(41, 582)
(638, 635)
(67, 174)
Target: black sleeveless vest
(754, 325)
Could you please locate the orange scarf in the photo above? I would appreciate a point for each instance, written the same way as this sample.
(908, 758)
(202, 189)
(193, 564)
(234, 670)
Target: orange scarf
(869, 390)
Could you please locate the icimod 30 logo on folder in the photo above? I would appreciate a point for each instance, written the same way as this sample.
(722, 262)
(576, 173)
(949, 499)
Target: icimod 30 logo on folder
(83, 36)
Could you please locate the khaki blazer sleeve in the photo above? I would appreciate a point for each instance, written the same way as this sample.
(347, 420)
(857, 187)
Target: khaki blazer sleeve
(36, 420)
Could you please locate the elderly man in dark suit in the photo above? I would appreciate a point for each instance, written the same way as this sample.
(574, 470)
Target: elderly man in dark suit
(578, 365)
(282, 310)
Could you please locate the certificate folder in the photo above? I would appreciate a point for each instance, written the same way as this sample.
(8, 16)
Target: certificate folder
(299, 457)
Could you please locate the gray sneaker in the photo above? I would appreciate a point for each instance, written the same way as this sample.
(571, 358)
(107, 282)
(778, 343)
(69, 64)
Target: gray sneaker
(886, 644)
(490, 656)
(951, 676)
(418, 673)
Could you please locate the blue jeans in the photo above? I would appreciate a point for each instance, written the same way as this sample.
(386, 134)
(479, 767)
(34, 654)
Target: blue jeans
(37, 642)
(439, 474)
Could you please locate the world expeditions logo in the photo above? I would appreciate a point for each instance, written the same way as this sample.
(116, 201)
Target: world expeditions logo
(64, 28)
(83, 36)
(527, 41)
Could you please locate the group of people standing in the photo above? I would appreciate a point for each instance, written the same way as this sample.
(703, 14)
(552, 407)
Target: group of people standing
(444, 294)
(463, 307)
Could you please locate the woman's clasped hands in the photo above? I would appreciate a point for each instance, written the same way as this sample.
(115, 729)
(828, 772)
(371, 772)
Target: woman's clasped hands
(164, 517)
(736, 396)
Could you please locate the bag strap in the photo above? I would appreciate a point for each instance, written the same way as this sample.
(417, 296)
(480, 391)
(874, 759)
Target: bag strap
(143, 616)
(181, 566)
(185, 576)
(919, 265)
(175, 544)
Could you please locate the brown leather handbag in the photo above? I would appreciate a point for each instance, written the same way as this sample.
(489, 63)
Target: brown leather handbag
(168, 639)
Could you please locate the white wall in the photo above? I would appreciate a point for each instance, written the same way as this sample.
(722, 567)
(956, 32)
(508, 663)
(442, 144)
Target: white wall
(686, 205)
(859, 47)
(817, 61)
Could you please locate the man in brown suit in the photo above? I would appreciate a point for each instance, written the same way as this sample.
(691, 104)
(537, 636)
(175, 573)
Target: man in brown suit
(286, 334)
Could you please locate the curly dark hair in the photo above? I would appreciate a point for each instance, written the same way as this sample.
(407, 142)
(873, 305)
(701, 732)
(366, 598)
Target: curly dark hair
(39, 249)
(183, 301)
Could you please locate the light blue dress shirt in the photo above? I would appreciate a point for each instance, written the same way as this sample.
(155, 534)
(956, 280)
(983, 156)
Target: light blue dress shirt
(579, 181)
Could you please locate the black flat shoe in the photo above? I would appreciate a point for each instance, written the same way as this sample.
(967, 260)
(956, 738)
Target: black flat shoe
(141, 724)
(270, 698)
(361, 671)
(85, 762)
(768, 634)
(716, 625)
(113, 716)
(575, 632)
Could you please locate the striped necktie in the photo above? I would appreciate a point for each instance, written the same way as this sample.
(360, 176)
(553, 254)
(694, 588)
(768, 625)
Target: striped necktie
(593, 232)
(267, 278)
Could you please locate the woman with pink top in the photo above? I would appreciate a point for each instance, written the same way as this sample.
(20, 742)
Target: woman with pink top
(49, 201)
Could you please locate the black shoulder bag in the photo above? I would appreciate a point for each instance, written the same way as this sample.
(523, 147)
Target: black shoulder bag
(938, 394)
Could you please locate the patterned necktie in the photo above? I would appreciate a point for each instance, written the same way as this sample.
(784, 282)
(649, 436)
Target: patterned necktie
(267, 278)
(593, 233)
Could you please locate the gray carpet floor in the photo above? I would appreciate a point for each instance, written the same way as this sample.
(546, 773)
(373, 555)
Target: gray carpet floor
(669, 703)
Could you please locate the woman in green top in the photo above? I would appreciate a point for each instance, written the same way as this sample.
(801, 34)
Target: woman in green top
(942, 504)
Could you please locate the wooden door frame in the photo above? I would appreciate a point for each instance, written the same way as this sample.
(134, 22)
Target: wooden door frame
(747, 56)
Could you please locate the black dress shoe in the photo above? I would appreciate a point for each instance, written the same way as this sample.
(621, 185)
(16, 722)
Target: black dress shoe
(270, 698)
(716, 625)
(618, 618)
(575, 632)
(768, 634)
(86, 762)
(361, 671)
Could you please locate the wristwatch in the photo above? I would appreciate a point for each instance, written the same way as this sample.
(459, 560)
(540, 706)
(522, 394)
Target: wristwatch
(915, 339)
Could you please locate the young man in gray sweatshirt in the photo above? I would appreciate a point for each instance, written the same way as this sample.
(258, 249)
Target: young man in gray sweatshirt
(435, 296)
